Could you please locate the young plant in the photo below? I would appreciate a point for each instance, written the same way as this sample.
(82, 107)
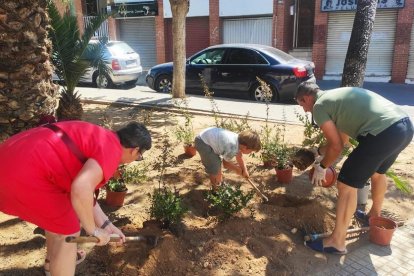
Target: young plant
(229, 200)
(313, 134)
(229, 123)
(167, 206)
(270, 134)
(283, 157)
(126, 174)
(185, 133)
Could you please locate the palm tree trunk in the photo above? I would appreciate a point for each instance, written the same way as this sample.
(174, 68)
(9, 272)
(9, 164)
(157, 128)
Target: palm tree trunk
(26, 88)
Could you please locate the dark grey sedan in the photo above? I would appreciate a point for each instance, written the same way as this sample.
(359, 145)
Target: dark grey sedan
(231, 69)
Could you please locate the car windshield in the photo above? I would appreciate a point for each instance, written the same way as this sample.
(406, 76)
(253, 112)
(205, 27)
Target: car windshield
(119, 48)
(279, 55)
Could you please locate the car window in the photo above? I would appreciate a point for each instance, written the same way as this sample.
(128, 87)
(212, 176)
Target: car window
(212, 56)
(119, 48)
(245, 56)
(281, 56)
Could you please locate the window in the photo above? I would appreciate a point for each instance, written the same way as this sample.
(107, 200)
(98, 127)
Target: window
(213, 56)
(245, 56)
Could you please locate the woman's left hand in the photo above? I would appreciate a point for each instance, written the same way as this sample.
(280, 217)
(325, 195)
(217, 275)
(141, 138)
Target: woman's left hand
(112, 229)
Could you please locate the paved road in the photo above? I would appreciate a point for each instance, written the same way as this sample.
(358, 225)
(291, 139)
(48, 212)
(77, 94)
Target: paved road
(401, 94)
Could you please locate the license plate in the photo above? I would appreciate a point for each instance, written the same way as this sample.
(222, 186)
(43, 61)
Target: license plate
(131, 62)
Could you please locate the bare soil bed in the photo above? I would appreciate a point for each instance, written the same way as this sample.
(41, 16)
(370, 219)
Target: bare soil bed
(264, 244)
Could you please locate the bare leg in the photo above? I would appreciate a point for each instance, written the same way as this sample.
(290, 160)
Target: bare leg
(216, 179)
(62, 255)
(378, 189)
(345, 208)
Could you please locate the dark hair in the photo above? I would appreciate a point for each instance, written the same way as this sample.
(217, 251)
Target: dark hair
(250, 139)
(307, 88)
(135, 135)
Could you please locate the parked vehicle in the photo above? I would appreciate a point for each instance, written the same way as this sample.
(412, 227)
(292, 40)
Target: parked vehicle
(124, 64)
(231, 70)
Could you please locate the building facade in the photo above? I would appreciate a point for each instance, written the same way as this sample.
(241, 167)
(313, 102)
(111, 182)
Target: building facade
(318, 30)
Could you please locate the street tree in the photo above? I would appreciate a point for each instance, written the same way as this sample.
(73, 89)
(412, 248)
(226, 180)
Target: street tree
(179, 9)
(357, 54)
(26, 89)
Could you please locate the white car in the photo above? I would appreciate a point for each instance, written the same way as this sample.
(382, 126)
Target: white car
(124, 62)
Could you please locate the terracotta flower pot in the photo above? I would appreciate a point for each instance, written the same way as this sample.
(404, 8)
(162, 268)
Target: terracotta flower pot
(330, 177)
(381, 230)
(284, 175)
(190, 150)
(115, 199)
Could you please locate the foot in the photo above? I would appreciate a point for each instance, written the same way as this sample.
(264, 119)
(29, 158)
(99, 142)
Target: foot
(318, 246)
(362, 217)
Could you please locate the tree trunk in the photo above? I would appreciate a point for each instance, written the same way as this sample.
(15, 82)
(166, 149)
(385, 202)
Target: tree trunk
(356, 57)
(179, 9)
(26, 88)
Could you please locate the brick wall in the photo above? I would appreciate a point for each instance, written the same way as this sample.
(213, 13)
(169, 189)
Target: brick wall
(402, 42)
(320, 33)
(214, 22)
(284, 25)
(274, 23)
(160, 33)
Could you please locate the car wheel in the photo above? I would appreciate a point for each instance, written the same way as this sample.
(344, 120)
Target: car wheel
(163, 84)
(258, 93)
(102, 82)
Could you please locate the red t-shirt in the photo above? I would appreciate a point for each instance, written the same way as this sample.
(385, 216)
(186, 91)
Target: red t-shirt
(37, 170)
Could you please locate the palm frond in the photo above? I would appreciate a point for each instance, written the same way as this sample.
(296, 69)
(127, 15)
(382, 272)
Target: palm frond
(69, 46)
(401, 184)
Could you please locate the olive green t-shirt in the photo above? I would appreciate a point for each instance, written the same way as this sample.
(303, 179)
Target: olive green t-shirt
(356, 111)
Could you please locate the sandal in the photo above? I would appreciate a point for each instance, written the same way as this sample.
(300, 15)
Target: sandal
(80, 257)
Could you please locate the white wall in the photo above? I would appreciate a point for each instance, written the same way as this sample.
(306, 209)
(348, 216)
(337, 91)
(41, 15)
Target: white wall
(245, 7)
(197, 8)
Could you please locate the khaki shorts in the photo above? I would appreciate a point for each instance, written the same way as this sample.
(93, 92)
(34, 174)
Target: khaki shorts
(210, 160)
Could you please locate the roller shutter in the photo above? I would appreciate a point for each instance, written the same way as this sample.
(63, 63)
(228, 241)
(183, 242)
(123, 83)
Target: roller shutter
(381, 48)
(196, 39)
(410, 72)
(139, 33)
(248, 30)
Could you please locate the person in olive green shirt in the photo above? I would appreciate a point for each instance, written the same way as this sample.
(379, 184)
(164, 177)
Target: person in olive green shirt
(382, 130)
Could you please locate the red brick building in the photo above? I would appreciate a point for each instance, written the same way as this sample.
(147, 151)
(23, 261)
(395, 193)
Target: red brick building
(311, 29)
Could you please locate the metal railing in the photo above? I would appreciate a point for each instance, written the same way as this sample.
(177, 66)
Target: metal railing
(103, 31)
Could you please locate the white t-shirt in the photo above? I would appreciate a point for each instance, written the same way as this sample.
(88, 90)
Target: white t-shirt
(225, 143)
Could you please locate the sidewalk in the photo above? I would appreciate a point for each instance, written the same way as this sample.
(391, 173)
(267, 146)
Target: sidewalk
(366, 258)
(400, 94)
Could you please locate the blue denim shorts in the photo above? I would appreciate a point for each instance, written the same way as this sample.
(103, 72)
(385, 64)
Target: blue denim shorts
(376, 153)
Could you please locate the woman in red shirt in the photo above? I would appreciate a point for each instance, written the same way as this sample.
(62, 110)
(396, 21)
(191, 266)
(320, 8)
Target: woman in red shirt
(48, 176)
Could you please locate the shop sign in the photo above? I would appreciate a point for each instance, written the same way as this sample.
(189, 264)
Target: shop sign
(351, 5)
(135, 9)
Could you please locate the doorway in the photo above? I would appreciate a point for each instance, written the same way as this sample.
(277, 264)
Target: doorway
(304, 11)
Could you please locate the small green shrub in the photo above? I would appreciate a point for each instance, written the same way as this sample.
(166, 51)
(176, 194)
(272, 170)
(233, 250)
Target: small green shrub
(116, 185)
(132, 173)
(313, 134)
(167, 206)
(229, 200)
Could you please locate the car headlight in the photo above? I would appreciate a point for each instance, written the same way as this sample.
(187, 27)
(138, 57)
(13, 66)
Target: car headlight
(149, 72)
